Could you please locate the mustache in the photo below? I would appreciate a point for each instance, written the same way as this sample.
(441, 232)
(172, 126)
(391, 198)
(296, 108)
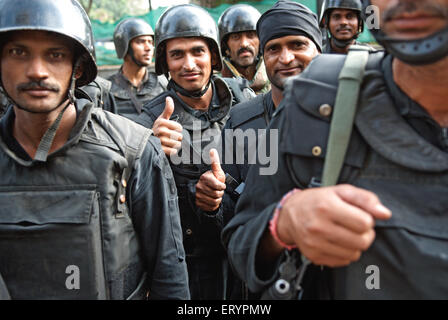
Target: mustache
(184, 73)
(41, 84)
(410, 7)
(301, 66)
(343, 28)
(244, 49)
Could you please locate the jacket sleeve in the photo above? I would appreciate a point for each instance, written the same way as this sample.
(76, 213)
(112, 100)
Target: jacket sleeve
(254, 210)
(229, 166)
(155, 213)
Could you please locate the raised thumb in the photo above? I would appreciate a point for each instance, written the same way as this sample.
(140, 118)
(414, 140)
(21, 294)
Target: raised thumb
(216, 166)
(169, 108)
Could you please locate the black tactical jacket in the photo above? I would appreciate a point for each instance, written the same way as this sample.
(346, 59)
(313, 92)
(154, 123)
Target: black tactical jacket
(202, 131)
(251, 118)
(129, 100)
(104, 205)
(253, 115)
(387, 156)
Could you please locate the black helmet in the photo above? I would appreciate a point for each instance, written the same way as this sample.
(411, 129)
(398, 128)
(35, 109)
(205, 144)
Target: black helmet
(237, 18)
(329, 5)
(183, 21)
(65, 17)
(417, 52)
(127, 30)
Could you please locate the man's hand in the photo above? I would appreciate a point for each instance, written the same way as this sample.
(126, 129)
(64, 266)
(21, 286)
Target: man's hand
(211, 185)
(331, 226)
(169, 132)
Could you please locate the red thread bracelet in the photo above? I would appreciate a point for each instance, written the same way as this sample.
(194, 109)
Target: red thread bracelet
(274, 220)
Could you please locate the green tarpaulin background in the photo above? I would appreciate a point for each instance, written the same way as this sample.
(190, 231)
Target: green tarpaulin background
(103, 32)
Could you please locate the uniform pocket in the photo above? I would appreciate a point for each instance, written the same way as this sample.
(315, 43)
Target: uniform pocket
(410, 251)
(50, 243)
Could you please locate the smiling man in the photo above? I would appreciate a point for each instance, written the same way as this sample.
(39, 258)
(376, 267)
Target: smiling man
(287, 49)
(381, 231)
(88, 205)
(343, 21)
(134, 84)
(190, 117)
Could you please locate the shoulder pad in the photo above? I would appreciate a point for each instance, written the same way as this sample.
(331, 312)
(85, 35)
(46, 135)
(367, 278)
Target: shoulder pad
(81, 93)
(240, 89)
(160, 99)
(153, 109)
(104, 83)
(318, 84)
(127, 135)
(246, 111)
(112, 77)
(304, 96)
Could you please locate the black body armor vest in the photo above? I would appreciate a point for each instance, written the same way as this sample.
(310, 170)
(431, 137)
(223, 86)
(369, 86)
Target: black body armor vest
(65, 231)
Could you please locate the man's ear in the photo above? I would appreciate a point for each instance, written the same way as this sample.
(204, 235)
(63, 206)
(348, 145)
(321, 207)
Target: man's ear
(215, 58)
(79, 71)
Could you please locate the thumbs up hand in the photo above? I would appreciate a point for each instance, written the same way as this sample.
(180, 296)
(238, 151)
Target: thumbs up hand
(216, 166)
(168, 131)
(211, 185)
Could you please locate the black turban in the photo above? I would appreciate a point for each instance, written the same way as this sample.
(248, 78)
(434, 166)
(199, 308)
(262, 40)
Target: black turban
(287, 18)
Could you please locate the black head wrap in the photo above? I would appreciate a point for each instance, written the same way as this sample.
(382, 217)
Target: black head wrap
(287, 18)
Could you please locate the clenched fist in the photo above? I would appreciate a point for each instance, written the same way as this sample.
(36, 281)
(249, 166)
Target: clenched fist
(331, 226)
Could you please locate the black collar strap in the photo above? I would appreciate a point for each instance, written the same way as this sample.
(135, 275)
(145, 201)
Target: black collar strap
(190, 94)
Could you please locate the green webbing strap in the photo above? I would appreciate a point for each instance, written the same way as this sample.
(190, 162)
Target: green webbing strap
(350, 80)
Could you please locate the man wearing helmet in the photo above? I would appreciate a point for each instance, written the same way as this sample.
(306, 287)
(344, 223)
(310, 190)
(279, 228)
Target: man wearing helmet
(240, 47)
(134, 84)
(380, 232)
(190, 117)
(87, 199)
(342, 20)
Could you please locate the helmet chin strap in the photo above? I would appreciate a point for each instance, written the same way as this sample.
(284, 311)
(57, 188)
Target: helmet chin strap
(341, 43)
(197, 94)
(47, 139)
(428, 50)
(416, 52)
(71, 91)
(132, 55)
